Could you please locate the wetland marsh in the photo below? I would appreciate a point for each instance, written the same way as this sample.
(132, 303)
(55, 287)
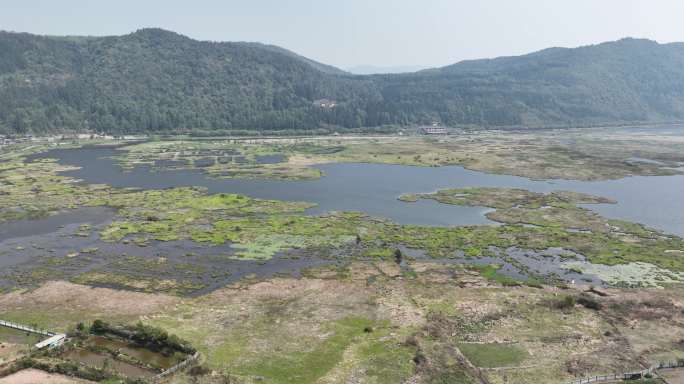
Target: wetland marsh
(256, 236)
(155, 227)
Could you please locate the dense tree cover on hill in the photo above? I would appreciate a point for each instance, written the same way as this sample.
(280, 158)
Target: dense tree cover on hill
(160, 82)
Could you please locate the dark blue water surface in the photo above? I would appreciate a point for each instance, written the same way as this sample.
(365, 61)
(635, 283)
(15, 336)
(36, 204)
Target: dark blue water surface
(373, 188)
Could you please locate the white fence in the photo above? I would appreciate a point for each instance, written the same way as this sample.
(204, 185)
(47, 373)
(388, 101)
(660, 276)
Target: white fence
(631, 375)
(26, 328)
(176, 367)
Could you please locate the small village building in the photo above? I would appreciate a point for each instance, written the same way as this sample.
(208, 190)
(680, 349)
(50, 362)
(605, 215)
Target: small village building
(434, 129)
(51, 342)
(325, 103)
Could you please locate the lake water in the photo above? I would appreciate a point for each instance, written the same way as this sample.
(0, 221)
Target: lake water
(656, 201)
(370, 188)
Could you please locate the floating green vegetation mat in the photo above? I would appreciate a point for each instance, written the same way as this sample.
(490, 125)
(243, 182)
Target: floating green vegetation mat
(636, 274)
(491, 273)
(506, 198)
(259, 229)
(188, 213)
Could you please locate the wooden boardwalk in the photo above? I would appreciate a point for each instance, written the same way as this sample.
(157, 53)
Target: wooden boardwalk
(26, 328)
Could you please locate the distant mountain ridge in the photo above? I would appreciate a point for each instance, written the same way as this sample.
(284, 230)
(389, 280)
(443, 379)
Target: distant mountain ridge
(375, 70)
(156, 81)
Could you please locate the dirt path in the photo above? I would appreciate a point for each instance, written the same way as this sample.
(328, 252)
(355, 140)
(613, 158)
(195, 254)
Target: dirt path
(675, 376)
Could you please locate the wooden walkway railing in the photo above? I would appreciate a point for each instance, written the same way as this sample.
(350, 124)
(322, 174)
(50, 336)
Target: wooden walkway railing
(26, 328)
(630, 375)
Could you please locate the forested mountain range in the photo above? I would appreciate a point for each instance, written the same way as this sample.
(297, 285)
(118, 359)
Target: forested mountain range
(156, 81)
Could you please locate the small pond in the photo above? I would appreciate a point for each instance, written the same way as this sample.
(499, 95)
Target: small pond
(97, 360)
(152, 358)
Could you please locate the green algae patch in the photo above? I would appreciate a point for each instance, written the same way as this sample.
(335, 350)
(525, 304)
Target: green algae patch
(264, 247)
(379, 253)
(261, 238)
(117, 230)
(635, 274)
(491, 273)
(179, 213)
(510, 197)
(156, 204)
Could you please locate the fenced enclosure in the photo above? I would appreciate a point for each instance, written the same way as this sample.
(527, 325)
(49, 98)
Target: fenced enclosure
(176, 367)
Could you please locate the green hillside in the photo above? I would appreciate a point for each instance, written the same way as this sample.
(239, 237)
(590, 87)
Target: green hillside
(159, 81)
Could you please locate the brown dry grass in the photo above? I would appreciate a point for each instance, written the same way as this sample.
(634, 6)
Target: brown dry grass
(8, 352)
(442, 305)
(673, 376)
(62, 293)
(59, 304)
(34, 376)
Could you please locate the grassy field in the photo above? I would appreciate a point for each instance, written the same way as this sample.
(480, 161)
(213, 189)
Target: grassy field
(493, 355)
(366, 325)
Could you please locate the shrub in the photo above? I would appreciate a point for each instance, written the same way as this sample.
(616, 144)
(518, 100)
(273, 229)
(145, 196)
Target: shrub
(589, 302)
(199, 370)
(157, 339)
(153, 338)
(566, 302)
(99, 327)
(398, 256)
(419, 358)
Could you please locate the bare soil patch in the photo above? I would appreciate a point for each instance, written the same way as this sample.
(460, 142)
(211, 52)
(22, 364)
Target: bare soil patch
(65, 294)
(9, 351)
(33, 376)
(674, 376)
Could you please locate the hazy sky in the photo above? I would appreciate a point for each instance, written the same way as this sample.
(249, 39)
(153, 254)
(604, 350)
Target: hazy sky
(346, 33)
